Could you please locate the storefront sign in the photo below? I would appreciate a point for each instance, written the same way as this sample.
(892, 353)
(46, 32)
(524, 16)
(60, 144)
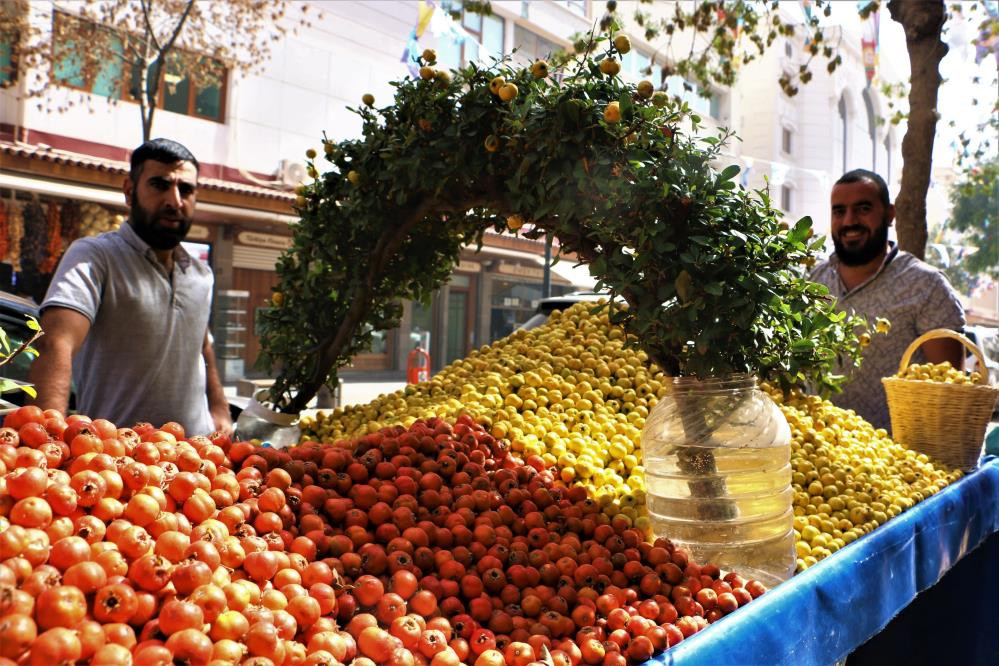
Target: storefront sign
(271, 241)
(521, 271)
(469, 266)
(198, 232)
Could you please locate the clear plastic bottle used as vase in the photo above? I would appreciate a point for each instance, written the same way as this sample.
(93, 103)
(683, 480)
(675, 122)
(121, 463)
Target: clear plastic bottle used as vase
(718, 477)
(260, 421)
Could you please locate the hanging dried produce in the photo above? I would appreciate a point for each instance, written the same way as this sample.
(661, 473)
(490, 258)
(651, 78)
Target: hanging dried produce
(15, 232)
(53, 245)
(34, 241)
(69, 223)
(4, 231)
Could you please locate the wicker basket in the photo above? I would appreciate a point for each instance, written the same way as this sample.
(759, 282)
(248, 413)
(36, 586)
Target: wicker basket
(944, 421)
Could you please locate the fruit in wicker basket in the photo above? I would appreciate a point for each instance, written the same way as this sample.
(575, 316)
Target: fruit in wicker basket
(939, 372)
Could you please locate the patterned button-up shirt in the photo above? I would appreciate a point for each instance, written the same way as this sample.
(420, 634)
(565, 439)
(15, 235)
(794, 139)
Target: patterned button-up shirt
(914, 297)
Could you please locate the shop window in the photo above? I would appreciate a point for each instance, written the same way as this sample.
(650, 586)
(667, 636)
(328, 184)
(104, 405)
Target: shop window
(422, 325)
(110, 78)
(786, 143)
(513, 302)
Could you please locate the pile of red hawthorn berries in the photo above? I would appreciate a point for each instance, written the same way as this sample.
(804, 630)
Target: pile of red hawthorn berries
(428, 546)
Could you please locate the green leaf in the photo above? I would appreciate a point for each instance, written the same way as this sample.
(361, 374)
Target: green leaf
(729, 172)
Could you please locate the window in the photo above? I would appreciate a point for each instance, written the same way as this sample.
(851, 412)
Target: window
(636, 64)
(842, 135)
(788, 49)
(487, 31)
(689, 92)
(785, 197)
(872, 128)
(578, 6)
(785, 140)
(531, 47)
(114, 79)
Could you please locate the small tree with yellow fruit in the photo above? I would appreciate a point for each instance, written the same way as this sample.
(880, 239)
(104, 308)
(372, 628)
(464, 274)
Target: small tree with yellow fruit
(712, 277)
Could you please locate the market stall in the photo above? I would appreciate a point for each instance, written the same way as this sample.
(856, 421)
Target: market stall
(825, 613)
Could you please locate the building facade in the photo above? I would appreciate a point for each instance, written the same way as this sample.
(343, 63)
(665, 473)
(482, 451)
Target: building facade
(251, 133)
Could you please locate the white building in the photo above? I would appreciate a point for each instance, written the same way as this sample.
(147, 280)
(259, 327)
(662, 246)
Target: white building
(251, 134)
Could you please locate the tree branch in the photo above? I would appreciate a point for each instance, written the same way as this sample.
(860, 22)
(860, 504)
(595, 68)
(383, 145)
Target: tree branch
(20, 348)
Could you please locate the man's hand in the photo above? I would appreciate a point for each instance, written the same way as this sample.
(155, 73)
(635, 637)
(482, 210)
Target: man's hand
(222, 420)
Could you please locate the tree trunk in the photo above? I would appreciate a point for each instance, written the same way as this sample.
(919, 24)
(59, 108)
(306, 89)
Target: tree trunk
(923, 23)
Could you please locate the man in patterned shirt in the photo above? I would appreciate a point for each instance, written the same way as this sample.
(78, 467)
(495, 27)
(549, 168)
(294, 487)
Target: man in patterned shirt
(871, 277)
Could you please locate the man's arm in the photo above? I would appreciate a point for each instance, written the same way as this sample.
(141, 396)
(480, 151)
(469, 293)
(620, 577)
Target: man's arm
(51, 373)
(217, 404)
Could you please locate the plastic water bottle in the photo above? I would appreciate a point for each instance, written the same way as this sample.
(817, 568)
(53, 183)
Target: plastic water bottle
(718, 477)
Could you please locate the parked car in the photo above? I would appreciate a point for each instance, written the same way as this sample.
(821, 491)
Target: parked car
(14, 311)
(548, 305)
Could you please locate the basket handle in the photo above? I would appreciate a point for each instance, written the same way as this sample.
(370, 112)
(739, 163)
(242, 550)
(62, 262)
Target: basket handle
(943, 333)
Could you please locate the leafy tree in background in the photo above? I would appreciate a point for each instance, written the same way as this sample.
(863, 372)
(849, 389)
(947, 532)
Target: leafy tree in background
(155, 42)
(975, 201)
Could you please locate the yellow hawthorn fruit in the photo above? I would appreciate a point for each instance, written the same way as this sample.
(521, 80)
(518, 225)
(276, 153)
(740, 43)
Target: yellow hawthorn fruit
(301, 202)
(864, 339)
(495, 85)
(426, 73)
(612, 114)
(610, 66)
(443, 77)
(368, 99)
(645, 89)
(301, 189)
(659, 99)
(429, 56)
(277, 299)
(354, 177)
(882, 325)
(492, 143)
(508, 92)
(622, 44)
(311, 153)
(539, 69)
(514, 222)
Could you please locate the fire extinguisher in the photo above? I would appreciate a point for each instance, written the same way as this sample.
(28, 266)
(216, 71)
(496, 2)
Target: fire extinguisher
(417, 366)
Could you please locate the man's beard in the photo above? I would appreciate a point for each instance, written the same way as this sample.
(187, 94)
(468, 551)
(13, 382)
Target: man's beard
(867, 252)
(149, 227)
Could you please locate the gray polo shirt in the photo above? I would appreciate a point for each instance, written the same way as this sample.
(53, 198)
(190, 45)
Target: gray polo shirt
(915, 298)
(142, 359)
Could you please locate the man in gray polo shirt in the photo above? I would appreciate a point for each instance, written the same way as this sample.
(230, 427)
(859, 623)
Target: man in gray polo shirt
(873, 278)
(127, 312)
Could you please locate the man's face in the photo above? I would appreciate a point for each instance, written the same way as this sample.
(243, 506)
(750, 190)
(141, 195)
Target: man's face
(162, 202)
(860, 222)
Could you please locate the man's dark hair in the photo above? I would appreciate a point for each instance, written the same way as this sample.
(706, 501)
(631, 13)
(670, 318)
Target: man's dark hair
(858, 175)
(160, 150)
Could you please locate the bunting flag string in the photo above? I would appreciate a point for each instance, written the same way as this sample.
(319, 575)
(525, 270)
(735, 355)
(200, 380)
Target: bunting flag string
(412, 50)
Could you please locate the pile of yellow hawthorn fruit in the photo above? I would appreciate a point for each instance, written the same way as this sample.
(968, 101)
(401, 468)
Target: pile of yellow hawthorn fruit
(574, 393)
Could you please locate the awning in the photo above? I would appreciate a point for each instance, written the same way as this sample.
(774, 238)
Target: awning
(115, 198)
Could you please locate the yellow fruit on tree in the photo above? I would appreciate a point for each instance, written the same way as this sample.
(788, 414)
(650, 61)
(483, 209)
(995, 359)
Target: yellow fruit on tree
(301, 202)
(429, 56)
(539, 69)
(612, 113)
(354, 177)
(443, 77)
(864, 339)
(310, 153)
(659, 99)
(492, 143)
(514, 222)
(622, 44)
(368, 99)
(301, 189)
(426, 73)
(508, 92)
(495, 85)
(277, 299)
(610, 66)
(645, 89)
(882, 325)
